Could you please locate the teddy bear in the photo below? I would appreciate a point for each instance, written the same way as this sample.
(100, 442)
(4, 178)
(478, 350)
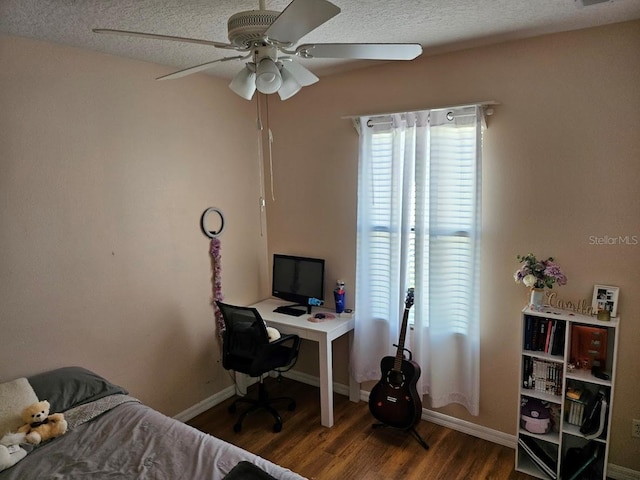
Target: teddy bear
(10, 450)
(273, 334)
(40, 426)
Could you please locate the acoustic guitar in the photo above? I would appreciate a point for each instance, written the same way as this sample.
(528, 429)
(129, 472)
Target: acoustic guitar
(394, 400)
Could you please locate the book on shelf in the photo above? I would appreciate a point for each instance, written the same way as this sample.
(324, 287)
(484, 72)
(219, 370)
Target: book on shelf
(544, 335)
(535, 332)
(528, 331)
(550, 336)
(557, 347)
(578, 398)
(542, 376)
(575, 413)
(526, 372)
(548, 329)
(574, 392)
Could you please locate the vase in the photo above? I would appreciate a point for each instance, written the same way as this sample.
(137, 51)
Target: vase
(338, 296)
(537, 297)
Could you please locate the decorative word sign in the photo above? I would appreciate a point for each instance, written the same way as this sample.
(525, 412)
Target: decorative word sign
(581, 306)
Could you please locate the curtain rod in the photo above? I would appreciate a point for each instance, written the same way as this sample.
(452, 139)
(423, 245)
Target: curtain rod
(483, 104)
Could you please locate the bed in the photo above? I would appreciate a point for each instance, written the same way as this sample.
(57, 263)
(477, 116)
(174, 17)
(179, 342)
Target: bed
(113, 435)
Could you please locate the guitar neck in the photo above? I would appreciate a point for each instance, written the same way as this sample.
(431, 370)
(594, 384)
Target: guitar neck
(397, 364)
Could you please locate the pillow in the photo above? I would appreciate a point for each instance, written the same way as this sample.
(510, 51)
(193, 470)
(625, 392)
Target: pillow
(15, 396)
(68, 387)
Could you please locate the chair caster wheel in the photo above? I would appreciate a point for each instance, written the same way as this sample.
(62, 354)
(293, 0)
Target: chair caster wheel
(232, 408)
(237, 427)
(292, 406)
(277, 427)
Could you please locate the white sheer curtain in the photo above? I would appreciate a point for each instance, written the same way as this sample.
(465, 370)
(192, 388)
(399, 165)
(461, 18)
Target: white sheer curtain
(419, 226)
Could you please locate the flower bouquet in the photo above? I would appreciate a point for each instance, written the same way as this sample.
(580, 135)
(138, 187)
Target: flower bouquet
(538, 274)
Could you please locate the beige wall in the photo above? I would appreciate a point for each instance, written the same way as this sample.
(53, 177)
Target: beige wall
(561, 165)
(104, 174)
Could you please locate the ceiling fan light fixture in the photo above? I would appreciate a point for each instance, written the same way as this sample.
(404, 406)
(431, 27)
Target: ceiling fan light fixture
(244, 83)
(303, 76)
(290, 85)
(268, 78)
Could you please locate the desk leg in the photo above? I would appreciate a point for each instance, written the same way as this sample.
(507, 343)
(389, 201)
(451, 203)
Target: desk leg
(354, 387)
(326, 383)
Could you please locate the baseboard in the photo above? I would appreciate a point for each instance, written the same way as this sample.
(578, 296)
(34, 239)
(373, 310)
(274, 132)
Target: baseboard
(315, 382)
(205, 404)
(470, 428)
(615, 472)
(622, 473)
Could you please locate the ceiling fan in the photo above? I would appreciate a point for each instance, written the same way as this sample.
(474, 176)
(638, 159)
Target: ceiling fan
(266, 38)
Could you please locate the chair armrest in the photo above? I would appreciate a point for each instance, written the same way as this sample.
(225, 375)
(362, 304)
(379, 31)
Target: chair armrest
(289, 338)
(286, 343)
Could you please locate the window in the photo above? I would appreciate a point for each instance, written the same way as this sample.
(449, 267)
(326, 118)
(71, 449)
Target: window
(418, 226)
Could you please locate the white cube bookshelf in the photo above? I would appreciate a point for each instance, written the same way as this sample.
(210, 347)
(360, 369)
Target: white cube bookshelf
(557, 360)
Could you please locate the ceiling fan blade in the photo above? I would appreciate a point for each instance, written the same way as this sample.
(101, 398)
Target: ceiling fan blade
(155, 36)
(299, 18)
(303, 76)
(363, 51)
(197, 68)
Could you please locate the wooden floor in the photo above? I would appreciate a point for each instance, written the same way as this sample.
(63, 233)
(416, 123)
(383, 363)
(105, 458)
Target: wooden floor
(352, 449)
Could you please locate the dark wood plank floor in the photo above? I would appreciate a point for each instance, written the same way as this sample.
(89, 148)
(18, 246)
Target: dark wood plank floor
(352, 449)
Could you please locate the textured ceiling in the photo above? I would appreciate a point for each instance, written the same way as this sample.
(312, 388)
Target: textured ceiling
(438, 25)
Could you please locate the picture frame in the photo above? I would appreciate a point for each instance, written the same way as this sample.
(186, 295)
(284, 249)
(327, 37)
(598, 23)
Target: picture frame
(605, 297)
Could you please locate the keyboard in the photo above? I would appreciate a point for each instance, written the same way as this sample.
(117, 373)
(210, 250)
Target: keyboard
(294, 312)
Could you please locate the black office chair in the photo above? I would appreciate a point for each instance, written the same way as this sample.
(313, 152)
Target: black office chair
(246, 349)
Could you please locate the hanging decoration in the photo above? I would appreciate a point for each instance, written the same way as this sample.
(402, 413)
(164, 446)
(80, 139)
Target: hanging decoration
(216, 281)
(216, 263)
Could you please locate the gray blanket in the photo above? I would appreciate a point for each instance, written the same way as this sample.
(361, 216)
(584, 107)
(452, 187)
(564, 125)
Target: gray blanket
(119, 438)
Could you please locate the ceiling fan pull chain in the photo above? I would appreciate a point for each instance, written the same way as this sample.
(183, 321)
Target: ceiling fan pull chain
(273, 193)
(270, 141)
(258, 114)
(262, 202)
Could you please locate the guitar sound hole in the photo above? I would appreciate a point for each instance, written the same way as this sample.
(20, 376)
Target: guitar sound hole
(395, 379)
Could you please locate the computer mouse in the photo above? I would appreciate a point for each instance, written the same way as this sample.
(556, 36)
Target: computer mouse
(319, 315)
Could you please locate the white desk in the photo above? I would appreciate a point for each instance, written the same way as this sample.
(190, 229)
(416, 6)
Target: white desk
(322, 332)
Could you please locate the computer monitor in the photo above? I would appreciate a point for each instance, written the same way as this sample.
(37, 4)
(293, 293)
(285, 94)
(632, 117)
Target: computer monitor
(298, 279)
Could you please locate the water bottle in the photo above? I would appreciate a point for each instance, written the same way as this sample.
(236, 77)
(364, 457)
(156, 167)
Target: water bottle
(338, 295)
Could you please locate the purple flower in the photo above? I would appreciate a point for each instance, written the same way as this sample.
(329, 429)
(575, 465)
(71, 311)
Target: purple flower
(553, 270)
(539, 273)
